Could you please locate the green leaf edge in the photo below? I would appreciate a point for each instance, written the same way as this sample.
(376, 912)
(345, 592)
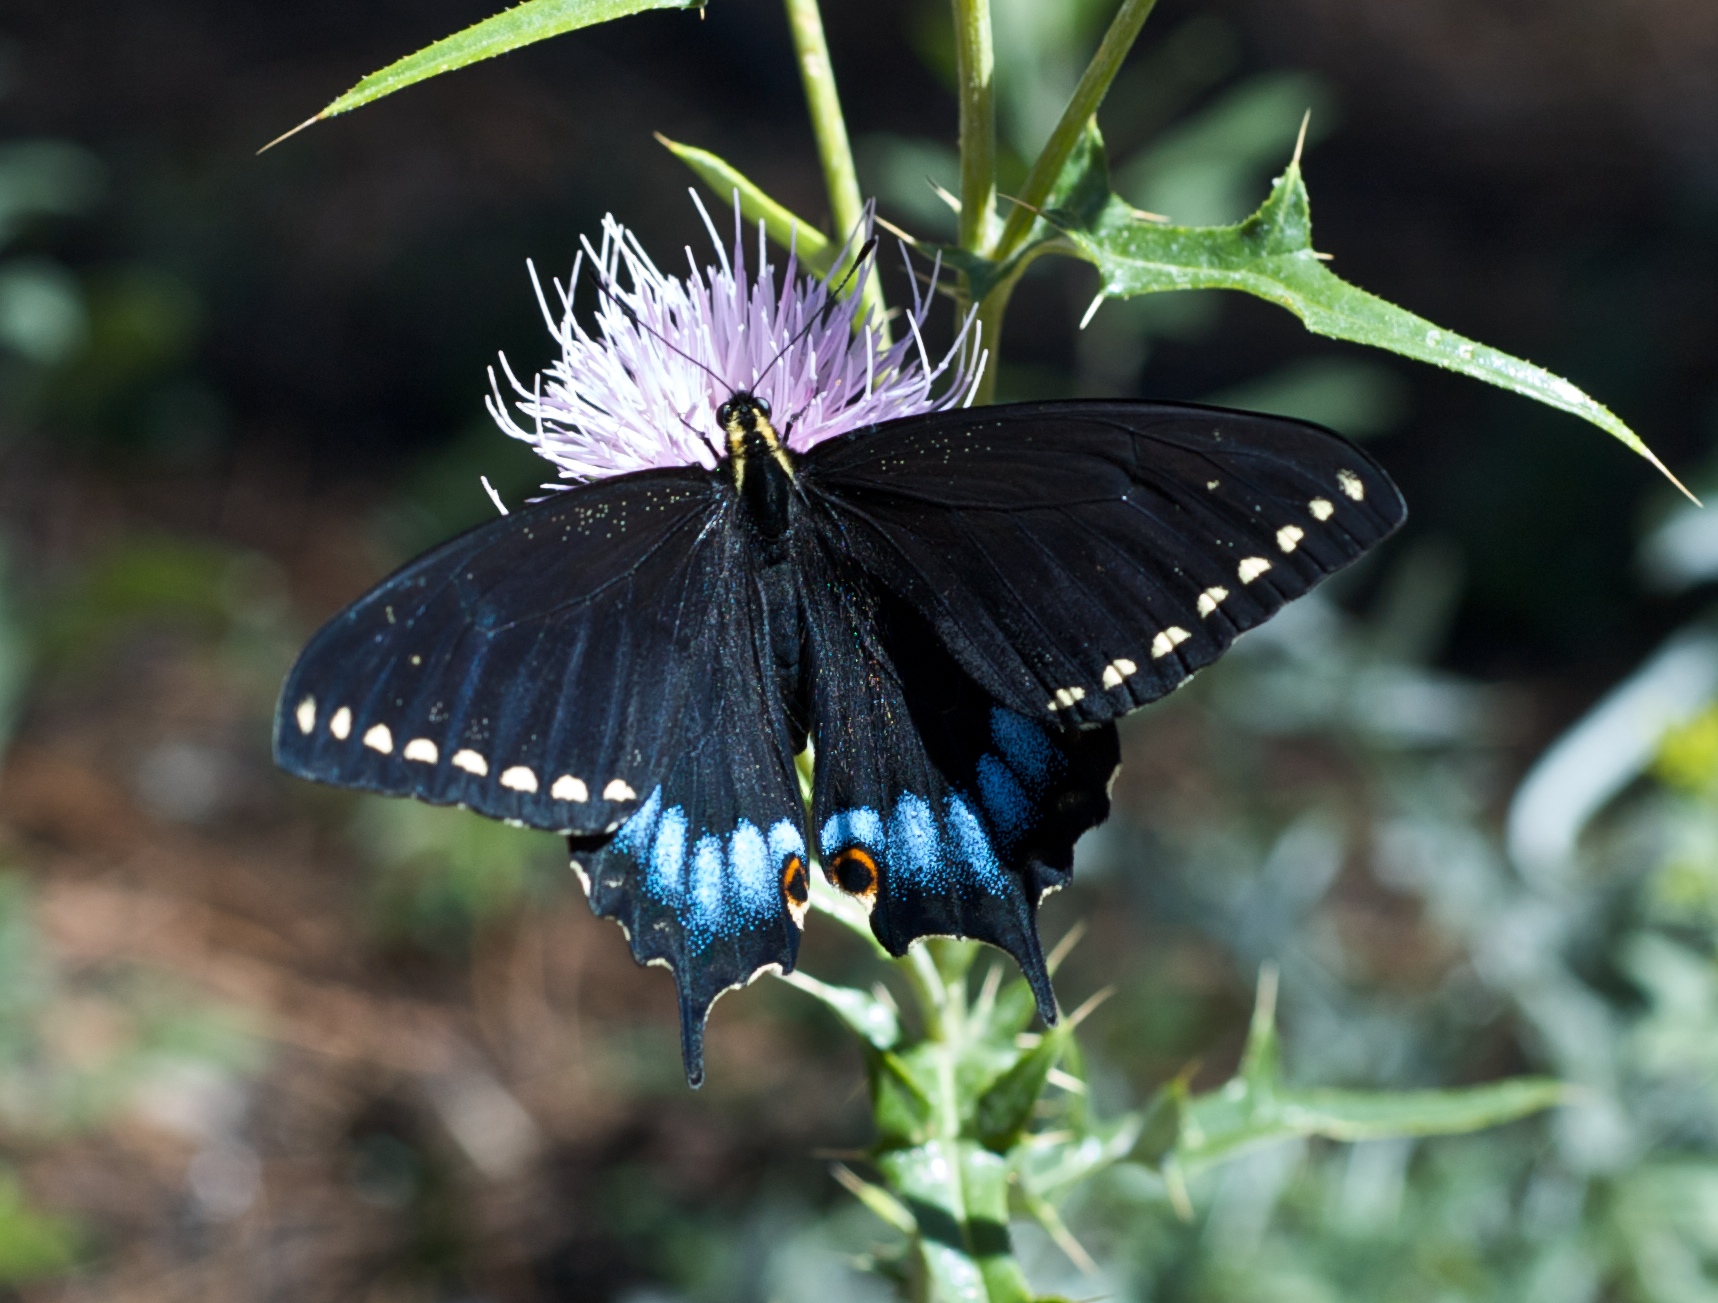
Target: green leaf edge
(782, 225)
(1349, 1116)
(511, 29)
(1284, 269)
(865, 1015)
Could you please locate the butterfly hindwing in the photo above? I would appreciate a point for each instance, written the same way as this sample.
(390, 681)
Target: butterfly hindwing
(709, 875)
(1082, 559)
(946, 813)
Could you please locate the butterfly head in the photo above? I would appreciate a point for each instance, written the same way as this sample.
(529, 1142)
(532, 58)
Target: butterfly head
(745, 420)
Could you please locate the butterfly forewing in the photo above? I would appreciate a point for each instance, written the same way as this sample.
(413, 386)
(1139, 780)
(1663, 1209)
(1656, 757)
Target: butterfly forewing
(1082, 559)
(539, 668)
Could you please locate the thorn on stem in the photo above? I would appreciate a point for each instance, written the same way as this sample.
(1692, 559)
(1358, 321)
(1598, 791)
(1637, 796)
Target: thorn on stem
(1265, 1005)
(287, 134)
(911, 241)
(1059, 952)
(1089, 1007)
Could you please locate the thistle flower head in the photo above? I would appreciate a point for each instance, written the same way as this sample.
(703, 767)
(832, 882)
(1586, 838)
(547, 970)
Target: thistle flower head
(642, 388)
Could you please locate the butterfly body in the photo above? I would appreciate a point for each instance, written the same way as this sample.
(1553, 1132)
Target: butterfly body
(954, 608)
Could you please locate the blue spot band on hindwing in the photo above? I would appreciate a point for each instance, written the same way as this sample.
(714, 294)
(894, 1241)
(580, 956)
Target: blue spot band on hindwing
(966, 842)
(718, 884)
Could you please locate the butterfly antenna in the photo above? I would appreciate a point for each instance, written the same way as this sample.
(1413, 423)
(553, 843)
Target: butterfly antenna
(864, 253)
(642, 324)
(645, 325)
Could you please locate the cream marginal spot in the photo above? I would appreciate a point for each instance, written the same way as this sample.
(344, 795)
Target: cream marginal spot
(1118, 670)
(1251, 568)
(1321, 508)
(341, 724)
(380, 738)
(618, 790)
(422, 750)
(306, 714)
(1209, 598)
(1289, 537)
(1351, 485)
(519, 778)
(471, 762)
(1168, 641)
(568, 788)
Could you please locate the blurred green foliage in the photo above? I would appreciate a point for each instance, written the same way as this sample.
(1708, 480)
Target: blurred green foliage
(33, 1245)
(441, 874)
(78, 1051)
(85, 1046)
(101, 353)
(43, 316)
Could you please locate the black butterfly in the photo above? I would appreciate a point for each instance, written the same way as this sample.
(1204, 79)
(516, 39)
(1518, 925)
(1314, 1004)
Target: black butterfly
(954, 608)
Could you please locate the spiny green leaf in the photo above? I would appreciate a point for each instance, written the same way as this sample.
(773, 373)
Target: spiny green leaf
(1001, 1113)
(1160, 1124)
(1354, 1115)
(523, 24)
(1254, 1107)
(871, 1017)
(901, 1105)
(877, 1199)
(1013, 1010)
(1241, 1115)
(1270, 255)
(816, 250)
(957, 1193)
(1050, 1166)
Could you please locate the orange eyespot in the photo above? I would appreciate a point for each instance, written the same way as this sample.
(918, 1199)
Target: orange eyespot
(796, 887)
(794, 884)
(854, 871)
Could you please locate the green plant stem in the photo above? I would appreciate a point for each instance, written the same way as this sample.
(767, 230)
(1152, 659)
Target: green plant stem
(834, 151)
(1094, 84)
(975, 67)
(1088, 95)
(927, 984)
(990, 313)
(846, 208)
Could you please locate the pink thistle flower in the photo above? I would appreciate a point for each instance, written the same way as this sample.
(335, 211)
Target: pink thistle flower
(643, 389)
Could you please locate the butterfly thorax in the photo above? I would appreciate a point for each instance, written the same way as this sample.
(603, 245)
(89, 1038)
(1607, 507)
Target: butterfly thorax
(761, 471)
(758, 463)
